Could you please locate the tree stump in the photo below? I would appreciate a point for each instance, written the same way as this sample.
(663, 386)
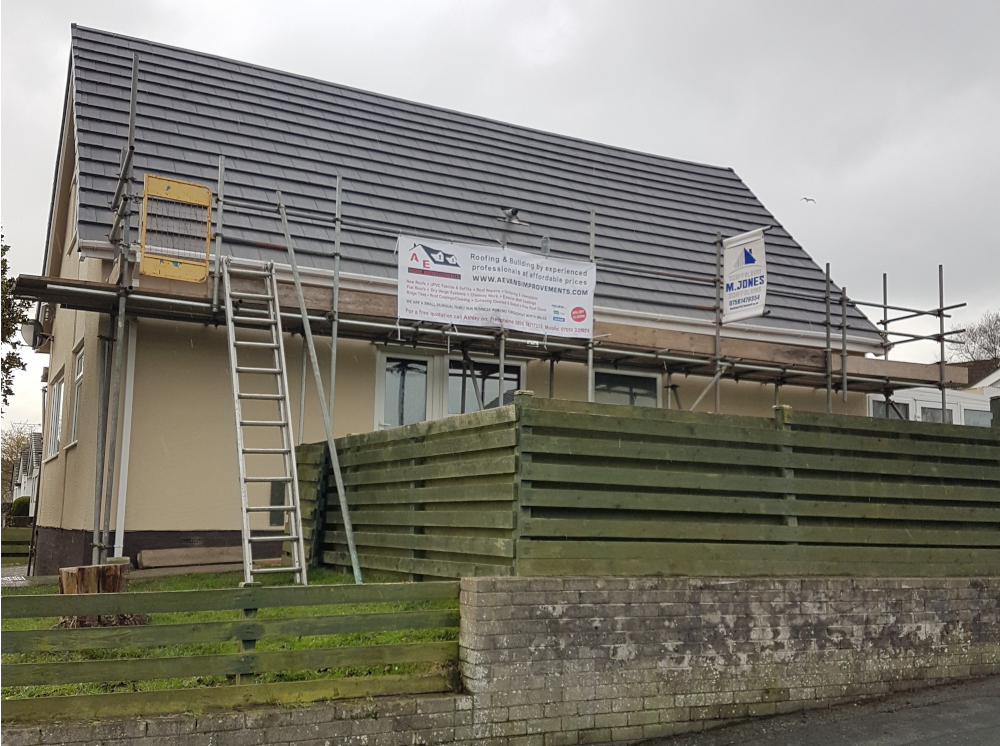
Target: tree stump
(112, 578)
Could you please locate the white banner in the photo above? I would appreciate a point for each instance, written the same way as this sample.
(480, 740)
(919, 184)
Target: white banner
(744, 272)
(465, 284)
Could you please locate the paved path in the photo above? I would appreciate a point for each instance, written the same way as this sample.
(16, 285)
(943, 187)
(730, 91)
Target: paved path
(13, 576)
(966, 714)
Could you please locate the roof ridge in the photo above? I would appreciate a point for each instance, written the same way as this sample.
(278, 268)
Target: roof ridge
(408, 102)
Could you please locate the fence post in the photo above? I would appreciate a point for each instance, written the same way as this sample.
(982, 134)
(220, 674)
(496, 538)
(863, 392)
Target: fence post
(521, 512)
(246, 645)
(782, 423)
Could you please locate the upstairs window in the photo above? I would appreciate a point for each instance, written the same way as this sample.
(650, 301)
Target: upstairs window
(77, 389)
(55, 416)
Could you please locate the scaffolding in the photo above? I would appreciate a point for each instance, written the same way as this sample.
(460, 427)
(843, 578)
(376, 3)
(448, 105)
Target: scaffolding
(717, 366)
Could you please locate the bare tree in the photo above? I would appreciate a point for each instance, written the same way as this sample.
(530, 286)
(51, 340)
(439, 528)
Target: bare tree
(979, 341)
(13, 439)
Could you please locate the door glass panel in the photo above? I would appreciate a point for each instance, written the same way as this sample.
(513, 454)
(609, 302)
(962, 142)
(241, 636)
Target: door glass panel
(405, 392)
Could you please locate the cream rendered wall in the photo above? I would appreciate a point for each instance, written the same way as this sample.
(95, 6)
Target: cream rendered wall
(183, 470)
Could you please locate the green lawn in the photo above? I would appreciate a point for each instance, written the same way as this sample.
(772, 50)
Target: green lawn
(228, 580)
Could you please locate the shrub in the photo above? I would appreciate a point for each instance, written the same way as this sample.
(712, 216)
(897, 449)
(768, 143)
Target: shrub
(19, 508)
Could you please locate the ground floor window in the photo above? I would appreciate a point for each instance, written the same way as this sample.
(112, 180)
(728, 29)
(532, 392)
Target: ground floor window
(621, 388)
(978, 418)
(933, 414)
(413, 388)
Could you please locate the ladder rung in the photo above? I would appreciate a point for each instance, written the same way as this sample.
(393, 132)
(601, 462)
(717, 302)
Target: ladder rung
(269, 371)
(253, 321)
(290, 568)
(266, 450)
(265, 508)
(268, 397)
(249, 272)
(244, 343)
(263, 423)
(275, 537)
(250, 296)
(268, 479)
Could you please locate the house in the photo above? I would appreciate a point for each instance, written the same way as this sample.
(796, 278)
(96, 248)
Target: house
(969, 405)
(24, 476)
(405, 168)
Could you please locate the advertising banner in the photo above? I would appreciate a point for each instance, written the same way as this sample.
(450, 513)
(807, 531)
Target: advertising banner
(465, 284)
(744, 273)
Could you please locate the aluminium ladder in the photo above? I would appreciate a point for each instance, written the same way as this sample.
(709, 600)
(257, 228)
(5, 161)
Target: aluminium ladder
(261, 384)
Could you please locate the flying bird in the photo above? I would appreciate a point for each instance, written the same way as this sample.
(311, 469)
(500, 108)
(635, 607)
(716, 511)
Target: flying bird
(808, 199)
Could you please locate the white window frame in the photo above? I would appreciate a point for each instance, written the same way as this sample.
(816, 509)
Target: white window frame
(54, 420)
(635, 374)
(381, 356)
(78, 362)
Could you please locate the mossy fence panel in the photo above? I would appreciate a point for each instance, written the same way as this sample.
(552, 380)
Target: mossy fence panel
(224, 648)
(429, 500)
(629, 491)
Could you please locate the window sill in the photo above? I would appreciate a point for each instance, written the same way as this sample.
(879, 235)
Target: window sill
(70, 445)
(50, 458)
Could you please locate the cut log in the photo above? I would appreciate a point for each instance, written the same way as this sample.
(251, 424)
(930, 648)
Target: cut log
(111, 578)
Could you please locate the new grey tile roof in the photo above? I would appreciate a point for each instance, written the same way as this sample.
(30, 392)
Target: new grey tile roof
(420, 170)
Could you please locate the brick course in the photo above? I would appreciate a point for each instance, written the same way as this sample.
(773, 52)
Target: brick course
(549, 661)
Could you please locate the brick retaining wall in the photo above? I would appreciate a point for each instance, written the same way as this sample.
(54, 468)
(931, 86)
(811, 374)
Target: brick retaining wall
(600, 660)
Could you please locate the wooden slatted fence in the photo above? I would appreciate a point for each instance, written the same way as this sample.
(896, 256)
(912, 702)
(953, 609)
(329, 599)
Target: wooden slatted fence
(551, 487)
(434, 499)
(630, 491)
(15, 544)
(112, 654)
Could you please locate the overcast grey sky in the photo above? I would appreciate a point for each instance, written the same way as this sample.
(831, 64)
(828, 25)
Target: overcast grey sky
(886, 113)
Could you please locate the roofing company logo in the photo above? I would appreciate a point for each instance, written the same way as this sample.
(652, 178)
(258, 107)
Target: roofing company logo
(745, 258)
(436, 264)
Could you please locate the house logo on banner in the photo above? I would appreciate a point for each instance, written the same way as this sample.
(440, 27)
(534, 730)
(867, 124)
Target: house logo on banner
(440, 259)
(465, 284)
(744, 276)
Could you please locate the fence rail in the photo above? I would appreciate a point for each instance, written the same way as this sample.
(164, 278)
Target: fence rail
(550, 487)
(244, 664)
